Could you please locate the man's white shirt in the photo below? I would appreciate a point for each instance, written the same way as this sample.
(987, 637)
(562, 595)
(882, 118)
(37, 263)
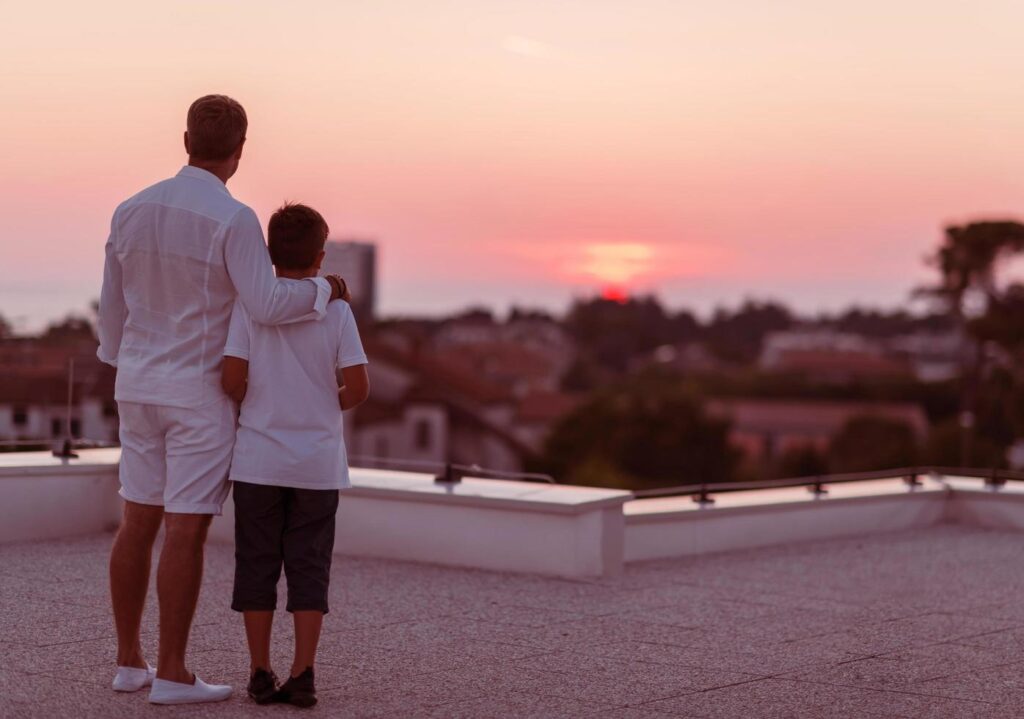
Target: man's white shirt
(290, 431)
(179, 254)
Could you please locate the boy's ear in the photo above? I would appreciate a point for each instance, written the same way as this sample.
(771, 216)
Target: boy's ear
(319, 259)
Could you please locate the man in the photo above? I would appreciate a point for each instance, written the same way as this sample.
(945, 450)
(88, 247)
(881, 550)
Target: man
(179, 254)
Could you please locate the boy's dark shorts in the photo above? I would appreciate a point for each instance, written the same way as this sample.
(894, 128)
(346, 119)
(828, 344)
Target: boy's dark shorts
(277, 526)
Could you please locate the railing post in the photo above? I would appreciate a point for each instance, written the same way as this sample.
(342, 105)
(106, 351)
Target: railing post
(913, 481)
(818, 488)
(995, 482)
(65, 450)
(449, 475)
(703, 498)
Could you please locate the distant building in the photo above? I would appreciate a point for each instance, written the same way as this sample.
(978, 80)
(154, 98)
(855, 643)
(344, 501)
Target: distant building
(541, 334)
(424, 410)
(538, 412)
(826, 355)
(509, 364)
(34, 390)
(935, 356)
(685, 357)
(766, 428)
(356, 261)
(843, 367)
(526, 353)
(777, 347)
(34, 409)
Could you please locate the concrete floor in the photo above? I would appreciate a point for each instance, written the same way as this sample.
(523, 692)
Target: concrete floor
(927, 623)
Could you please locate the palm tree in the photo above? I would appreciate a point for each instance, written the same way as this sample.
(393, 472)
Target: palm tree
(968, 262)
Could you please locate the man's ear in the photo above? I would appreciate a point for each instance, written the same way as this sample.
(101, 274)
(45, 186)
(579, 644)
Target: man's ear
(319, 260)
(238, 150)
(187, 151)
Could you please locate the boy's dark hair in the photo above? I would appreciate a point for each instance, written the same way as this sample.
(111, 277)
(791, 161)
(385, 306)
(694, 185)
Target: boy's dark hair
(296, 235)
(216, 125)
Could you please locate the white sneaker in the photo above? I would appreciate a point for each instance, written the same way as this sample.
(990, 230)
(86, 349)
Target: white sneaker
(131, 679)
(165, 692)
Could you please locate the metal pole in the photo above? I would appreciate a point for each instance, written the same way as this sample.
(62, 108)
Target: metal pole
(818, 489)
(71, 394)
(65, 451)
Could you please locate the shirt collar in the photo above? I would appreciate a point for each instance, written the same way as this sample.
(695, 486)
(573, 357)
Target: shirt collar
(200, 174)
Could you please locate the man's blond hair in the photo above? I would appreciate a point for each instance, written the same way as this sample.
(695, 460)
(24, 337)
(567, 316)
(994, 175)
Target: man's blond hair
(216, 127)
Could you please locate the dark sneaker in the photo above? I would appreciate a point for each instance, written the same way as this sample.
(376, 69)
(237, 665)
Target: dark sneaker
(298, 691)
(262, 686)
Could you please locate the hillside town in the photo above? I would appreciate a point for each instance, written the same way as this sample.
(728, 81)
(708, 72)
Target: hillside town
(782, 395)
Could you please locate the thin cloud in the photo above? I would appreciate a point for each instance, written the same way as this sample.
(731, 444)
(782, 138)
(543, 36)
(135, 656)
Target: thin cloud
(528, 47)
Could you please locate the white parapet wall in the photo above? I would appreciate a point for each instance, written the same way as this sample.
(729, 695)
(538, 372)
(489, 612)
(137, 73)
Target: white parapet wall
(488, 524)
(974, 502)
(527, 527)
(44, 497)
(678, 526)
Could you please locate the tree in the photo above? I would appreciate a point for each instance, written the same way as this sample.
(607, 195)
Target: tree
(1002, 323)
(481, 315)
(69, 328)
(613, 332)
(968, 261)
(882, 323)
(648, 433)
(943, 448)
(968, 258)
(737, 336)
(517, 314)
(802, 461)
(5, 328)
(584, 374)
(869, 443)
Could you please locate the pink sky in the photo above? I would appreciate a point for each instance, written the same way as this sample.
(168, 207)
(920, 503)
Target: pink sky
(527, 151)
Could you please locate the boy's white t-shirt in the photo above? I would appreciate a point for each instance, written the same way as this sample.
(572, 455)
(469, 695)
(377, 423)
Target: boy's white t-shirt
(290, 422)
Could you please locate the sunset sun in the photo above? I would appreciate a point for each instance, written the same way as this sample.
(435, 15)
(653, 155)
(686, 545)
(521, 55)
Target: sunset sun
(616, 265)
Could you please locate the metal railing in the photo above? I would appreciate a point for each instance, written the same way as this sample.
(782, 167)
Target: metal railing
(453, 472)
(701, 492)
(446, 472)
(33, 444)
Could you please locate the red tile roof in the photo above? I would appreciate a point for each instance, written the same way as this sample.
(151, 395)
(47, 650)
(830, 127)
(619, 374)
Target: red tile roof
(546, 407)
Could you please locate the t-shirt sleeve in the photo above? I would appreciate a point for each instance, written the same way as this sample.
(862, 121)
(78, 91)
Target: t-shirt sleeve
(238, 333)
(350, 347)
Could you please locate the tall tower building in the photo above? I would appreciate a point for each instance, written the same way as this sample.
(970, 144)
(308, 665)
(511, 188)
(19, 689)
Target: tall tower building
(356, 261)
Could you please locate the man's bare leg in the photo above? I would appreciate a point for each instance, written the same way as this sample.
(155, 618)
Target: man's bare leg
(130, 559)
(258, 625)
(178, 579)
(307, 636)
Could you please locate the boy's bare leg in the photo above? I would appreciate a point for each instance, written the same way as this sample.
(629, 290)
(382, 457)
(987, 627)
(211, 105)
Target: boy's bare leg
(130, 560)
(307, 636)
(258, 625)
(178, 579)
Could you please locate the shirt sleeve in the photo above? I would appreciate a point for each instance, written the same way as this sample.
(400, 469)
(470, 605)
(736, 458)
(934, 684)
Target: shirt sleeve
(350, 347)
(269, 300)
(112, 310)
(238, 333)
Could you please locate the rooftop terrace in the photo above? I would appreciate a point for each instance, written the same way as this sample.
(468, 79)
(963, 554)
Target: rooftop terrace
(891, 595)
(923, 622)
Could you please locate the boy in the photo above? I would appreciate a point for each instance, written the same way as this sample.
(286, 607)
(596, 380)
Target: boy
(289, 459)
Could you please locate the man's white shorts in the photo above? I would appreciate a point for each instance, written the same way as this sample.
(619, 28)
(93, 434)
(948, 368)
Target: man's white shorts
(176, 457)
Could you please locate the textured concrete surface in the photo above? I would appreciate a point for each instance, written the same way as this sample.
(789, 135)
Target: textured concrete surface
(927, 623)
